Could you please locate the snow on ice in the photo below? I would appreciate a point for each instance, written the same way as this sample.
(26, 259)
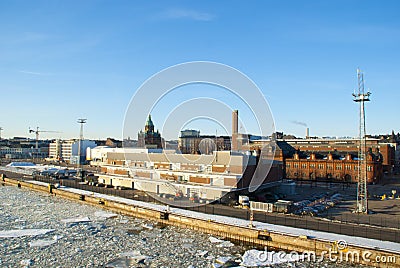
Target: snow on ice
(76, 220)
(24, 232)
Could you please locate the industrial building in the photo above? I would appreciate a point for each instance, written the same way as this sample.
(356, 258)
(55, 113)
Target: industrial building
(332, 167)
(344, 147)
(208, 176)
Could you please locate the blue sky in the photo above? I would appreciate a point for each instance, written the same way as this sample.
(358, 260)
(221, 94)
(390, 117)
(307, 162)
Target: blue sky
(63, 60)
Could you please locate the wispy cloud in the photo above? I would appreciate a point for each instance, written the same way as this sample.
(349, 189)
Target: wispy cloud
(181, 13)
(299, 123)
(32, 73)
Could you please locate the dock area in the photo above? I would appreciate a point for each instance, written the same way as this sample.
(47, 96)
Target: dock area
(260, 235)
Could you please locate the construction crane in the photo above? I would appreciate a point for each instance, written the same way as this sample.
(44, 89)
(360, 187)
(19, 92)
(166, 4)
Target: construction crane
(362, 196)
(37, 131)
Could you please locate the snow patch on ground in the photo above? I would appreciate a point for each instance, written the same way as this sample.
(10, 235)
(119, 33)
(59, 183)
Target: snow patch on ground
(215, 240)
(24, 232)
(26, 262)
(225, 244)
(42, 243)
(105, 215)
(76, 220)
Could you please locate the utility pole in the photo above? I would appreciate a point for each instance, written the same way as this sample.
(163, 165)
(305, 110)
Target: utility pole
(81, 121)
(362, 195)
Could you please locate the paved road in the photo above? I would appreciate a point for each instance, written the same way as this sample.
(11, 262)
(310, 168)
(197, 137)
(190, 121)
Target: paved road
(305, 222)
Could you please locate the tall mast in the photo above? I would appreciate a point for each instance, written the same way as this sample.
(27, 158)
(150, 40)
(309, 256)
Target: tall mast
(362, 195)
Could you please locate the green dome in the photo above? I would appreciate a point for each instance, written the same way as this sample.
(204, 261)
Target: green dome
(149, 121)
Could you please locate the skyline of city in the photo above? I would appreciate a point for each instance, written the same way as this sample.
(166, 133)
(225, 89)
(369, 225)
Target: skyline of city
(303, 59)
(197, 133)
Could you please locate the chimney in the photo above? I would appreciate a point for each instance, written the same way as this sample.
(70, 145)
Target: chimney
(235, 116)
(307, 133)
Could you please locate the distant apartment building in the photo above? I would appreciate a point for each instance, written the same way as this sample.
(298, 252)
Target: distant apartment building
(23, 148)
(191, 142)
(22, 153)
(67, 150)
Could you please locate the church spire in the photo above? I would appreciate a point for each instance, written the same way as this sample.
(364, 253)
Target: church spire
(149, 127)
(149, 121)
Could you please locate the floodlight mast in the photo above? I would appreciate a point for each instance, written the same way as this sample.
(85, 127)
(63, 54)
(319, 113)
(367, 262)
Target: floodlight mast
(81, 121)
(362, 194)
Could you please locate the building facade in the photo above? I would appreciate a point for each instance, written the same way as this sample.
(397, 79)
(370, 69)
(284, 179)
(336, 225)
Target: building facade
(167, 172)
(191, 142)
(23, 148)
(344, 147)
(67, 150)
(332, 167)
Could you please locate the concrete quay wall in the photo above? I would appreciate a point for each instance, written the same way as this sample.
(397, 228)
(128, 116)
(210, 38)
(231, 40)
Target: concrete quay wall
(258, 238)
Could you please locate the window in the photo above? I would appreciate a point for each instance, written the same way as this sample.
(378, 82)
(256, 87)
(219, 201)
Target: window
(303, 165)
(312, 165)
(320, 166)
(338, 167)
(330, 167)
(296, 165)
(369, 168)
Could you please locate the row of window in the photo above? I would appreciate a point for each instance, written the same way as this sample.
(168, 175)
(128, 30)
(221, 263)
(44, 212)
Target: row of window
(329, 167)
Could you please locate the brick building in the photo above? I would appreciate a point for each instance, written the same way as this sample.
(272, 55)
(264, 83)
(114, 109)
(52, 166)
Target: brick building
(344, 147)
(332, 167)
